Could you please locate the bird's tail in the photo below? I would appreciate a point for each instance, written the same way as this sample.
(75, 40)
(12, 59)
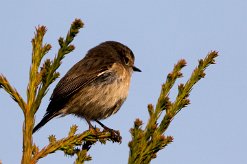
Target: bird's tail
(44, 120)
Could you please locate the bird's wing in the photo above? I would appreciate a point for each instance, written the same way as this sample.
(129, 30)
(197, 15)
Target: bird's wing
(68, 86)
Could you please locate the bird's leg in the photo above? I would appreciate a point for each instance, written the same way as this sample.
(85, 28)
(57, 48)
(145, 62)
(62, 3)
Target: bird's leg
(89, 124)
(114, 133)
(87, 144)
(103, 126)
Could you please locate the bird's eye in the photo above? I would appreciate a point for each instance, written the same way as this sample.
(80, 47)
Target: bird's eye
(126, 60)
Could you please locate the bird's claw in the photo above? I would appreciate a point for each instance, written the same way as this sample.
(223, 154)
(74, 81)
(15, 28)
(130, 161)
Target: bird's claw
(115, 134)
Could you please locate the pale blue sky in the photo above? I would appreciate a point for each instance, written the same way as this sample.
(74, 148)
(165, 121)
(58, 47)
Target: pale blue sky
(212, 130)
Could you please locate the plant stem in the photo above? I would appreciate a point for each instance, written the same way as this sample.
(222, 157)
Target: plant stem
(27, 138)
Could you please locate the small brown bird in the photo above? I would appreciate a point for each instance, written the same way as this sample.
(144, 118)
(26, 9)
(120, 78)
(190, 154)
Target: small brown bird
(95, 87)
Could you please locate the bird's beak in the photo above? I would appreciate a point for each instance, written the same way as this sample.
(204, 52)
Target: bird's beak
(136, 69)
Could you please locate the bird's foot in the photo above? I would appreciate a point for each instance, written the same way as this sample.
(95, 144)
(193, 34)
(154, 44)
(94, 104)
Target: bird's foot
(114, 133)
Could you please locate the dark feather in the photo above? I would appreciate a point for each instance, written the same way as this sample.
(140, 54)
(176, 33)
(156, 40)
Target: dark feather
(47, 117)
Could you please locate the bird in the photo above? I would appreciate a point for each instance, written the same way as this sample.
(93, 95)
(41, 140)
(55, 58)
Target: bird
(95, 87)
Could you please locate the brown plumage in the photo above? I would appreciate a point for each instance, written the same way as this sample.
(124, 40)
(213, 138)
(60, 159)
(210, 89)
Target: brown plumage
(95, 87)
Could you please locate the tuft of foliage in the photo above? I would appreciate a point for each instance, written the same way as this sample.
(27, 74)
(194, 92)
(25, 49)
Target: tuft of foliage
(147, 142)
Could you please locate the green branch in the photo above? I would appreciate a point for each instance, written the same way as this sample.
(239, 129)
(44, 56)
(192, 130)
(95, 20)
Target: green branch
(12, 92)
(69, 145)
(37, 54)
(146, 143)
(185, 89)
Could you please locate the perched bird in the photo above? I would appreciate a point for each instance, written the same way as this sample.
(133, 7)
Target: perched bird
(95, 87)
